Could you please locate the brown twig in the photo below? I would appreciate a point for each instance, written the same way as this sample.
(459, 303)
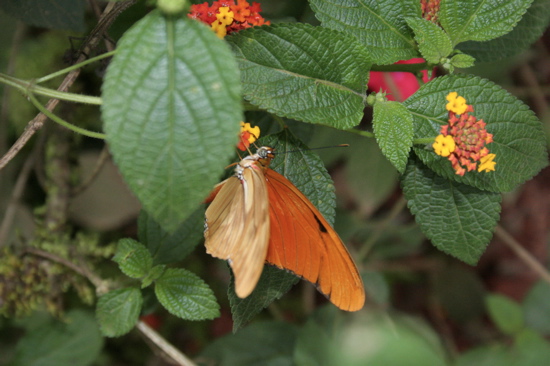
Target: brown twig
(168, 349)
(523, 254)
(111, 12)
(102, 159)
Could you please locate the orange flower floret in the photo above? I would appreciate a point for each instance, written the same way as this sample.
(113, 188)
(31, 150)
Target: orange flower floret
(430, 10)
(469, 137)
(225, 13)
(247, 136)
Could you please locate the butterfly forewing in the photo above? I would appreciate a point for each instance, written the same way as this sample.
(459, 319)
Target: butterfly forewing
(237, 227)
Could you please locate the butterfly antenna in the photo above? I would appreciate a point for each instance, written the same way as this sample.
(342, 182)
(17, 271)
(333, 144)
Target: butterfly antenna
(314, 148)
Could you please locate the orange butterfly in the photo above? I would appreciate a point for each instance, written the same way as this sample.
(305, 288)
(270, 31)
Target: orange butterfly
(259, 216)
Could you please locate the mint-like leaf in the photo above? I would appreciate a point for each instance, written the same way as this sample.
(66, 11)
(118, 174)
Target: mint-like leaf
(393, 127)
(133, 258)
(307, 73)
(379, 25)
(118, 311)
(458, 219)
(433, 43)
(185, 295)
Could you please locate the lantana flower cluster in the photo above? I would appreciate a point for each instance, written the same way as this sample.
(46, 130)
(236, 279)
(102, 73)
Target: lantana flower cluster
(430, 10)
(463, 139)
(226, 16)
(247, 136)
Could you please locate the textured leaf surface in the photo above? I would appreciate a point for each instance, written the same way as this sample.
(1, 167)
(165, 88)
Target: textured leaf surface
(117, 311)
(433, 42)
(168, 247)
(458, 219)
(528, 30)
(76, 342)
(133, 259)
(393, 126)
(273, 284)
(474, 20)
(53, 14)
(264, 343)
(171, 106)
(185, 295)
(505, 313)
(379, 25)
(519, 142)
(307, 73)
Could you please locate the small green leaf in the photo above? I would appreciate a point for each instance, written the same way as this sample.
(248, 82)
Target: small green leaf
(393, 127)
(458, 219)
(379, 25)
(433, 43)
(74, 342)
(171, 110)
(505, 313)
(528, 30)
(133, 258)
(536, 307)
(273, 284)
(118, 311)
(519, 142)
(264, 343)
(168, 247)
(307, 73)
(185, 295)
(153, 275)
(462, 61)
(53, 14)
(473, 20)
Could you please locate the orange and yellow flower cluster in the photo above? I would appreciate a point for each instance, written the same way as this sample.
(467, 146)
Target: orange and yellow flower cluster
(247, 136)
(226, 17)
(463, 139)
(430, 10)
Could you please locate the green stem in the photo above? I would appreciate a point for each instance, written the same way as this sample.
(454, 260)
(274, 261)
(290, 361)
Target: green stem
(360, 132)
(28, 87)
(75, 67)
(63, 123)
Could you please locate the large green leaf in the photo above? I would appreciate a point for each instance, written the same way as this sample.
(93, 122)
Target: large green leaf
(55, 14)
(519, 142)
(307, 73)
(171, 106)
(458, 219)
(185, 295)
(117, 311)
(379, 25)
(528, 30)
(265, 344)
(74, 342)
(168, 247)
(474, 20)
(393, 126)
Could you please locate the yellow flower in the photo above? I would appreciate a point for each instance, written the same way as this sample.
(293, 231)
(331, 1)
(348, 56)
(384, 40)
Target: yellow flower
(247, 136)
(444, 145)
(219, 28)
(457, 104)
(487, 163)
(225, 15)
